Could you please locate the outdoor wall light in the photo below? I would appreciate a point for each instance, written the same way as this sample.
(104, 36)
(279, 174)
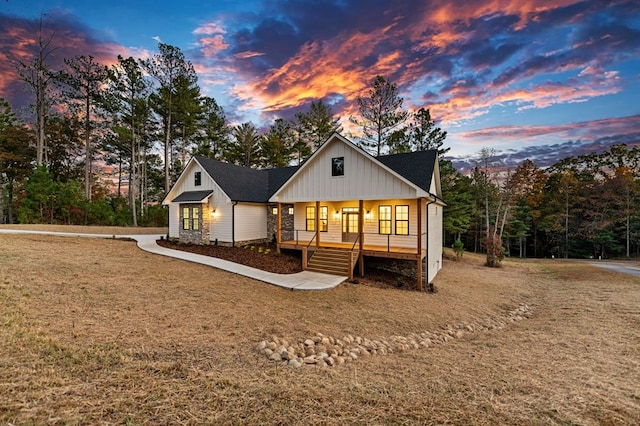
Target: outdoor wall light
(336, 215)
(213, 213)
(274, 210)
(367, 215)
(290, 210)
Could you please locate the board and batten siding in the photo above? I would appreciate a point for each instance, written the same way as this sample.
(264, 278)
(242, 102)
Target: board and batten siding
(218, 200)
(434, 261)
(363, 179)
(185, 183)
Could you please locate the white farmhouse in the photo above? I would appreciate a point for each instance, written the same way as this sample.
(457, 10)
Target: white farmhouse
(341, 208)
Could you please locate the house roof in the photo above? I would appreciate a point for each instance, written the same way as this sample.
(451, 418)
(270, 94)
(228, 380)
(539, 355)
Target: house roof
(417, 167)
(259, 185)
(243, 183)
(192, 197)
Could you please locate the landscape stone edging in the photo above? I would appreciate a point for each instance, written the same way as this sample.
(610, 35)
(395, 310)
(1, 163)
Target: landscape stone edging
(326, 351)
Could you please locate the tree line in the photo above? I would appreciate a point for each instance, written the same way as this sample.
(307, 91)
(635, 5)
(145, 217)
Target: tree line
(143, 119)
(583, 206)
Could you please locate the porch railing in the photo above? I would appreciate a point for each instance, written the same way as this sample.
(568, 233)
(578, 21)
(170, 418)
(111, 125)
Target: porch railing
(380, 242)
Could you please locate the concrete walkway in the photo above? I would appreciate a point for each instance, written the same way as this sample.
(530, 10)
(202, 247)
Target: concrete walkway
(305, 280)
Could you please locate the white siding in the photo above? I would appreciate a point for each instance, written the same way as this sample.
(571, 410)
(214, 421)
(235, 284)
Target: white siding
(434, 262)
(363, 179)
(220, 225)
(174, 220)
(250, 221)
(186, 182)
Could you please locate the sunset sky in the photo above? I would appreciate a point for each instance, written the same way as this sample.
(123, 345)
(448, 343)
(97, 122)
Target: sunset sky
(533, 79)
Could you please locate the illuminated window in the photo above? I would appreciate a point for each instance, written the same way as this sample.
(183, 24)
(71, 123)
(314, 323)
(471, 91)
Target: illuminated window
(402, 220)
(384, 220)
(186, 223)
(311, 218)
(324, 218)
(195, 218)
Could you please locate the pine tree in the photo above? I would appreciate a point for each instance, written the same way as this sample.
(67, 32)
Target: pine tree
(380, 113)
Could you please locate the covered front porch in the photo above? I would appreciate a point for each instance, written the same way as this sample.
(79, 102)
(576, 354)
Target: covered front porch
(392, 229)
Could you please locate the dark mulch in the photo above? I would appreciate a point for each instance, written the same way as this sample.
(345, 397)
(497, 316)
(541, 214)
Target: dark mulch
(260, 256)
(287, 262)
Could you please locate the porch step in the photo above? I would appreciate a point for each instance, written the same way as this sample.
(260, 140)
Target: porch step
(330, 261)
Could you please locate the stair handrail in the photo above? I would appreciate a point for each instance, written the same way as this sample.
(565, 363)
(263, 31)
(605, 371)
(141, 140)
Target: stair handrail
(312, 238)
(354, 243)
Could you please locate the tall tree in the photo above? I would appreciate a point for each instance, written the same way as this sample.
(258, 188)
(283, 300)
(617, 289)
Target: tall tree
(214, 129)
(277, 145)
(65, 147)
(129, 90)
(38, 76)
(316, 125)
(456, 192)
(425, 134)
(166, 68)
(527, 184)
(380, 113)
(188, 113)
(86, 79)
(16, 155)
(244, 149)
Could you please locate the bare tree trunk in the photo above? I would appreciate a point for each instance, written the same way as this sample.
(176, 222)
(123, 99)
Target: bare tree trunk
(87, 147)
(133, 181)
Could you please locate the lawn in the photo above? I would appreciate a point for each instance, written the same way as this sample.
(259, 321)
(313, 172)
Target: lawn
(99, 332)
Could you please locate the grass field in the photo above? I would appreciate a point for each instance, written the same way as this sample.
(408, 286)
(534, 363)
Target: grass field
(99, 332)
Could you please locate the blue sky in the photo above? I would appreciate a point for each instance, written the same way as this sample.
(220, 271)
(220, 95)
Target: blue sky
(536, 79)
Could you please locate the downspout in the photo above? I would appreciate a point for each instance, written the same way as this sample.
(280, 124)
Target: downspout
(426, 263)
(233, 224)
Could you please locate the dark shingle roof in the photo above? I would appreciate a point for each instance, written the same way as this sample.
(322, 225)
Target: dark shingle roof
(192, 196)
(417, 167)
(252, 185)
(245, 184)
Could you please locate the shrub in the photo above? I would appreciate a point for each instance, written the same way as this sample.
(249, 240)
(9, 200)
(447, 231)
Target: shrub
(458, 248)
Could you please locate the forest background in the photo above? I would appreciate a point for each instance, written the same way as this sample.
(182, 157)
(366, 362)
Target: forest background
(102, 145)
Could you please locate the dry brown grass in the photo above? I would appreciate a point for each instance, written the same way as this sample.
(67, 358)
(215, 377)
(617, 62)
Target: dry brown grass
(96, 331)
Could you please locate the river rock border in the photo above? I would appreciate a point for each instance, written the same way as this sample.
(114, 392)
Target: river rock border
(327, 351)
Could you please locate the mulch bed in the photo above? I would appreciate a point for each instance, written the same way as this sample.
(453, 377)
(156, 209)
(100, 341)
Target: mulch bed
(260, 256)
(288, 262)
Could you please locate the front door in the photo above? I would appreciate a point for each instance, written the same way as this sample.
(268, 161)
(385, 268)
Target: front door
(349, 224)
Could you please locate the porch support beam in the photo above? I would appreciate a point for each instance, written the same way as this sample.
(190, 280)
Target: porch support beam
(419, 256)
(279, 228)
(361, 236)
(317, 224)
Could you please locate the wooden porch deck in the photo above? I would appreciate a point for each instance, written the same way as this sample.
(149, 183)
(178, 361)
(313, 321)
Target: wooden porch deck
(367, 250)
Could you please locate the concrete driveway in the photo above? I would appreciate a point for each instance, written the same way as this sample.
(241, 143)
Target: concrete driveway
(630, 268)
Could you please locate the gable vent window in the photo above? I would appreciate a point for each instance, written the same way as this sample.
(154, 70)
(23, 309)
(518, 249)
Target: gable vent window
(197, 178)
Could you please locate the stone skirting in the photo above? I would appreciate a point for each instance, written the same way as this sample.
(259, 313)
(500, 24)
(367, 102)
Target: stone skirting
(197, 236)
(287, 230)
